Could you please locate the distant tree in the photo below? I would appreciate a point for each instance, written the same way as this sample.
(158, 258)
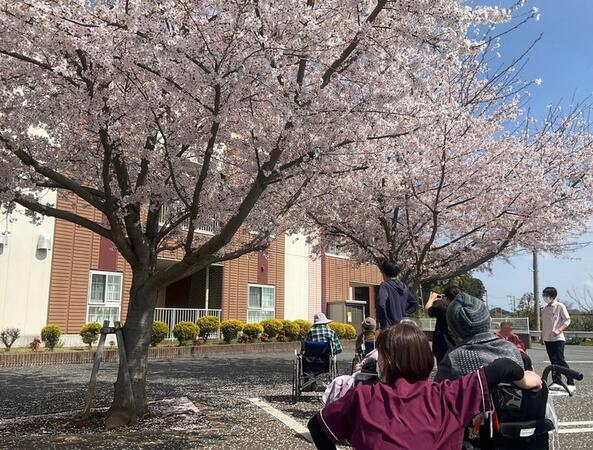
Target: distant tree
(526, 308)
(467, 283)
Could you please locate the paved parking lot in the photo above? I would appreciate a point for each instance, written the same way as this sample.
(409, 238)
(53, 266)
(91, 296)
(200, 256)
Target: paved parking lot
(221, 388)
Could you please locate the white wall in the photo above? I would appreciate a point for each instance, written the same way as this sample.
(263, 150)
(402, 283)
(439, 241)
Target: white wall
(296, 277)
(25, 272)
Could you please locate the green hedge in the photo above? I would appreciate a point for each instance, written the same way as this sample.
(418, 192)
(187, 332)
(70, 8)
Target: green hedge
(272, 327)
(343, 330)
(160, 330)
(230, 329)
(291, 330)
(253, 330)
(50, 335)
(208, 324)
(185, 331)
(90, 333)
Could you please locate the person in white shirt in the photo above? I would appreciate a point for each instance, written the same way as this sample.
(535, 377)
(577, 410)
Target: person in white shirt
(555, 319)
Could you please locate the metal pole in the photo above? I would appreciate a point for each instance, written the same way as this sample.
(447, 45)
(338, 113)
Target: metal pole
(536, 291)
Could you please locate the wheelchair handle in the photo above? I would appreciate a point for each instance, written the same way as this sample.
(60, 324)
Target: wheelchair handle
(562, 370)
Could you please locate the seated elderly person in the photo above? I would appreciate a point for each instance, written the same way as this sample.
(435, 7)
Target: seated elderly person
(506, 333)
(468, 319)
(320, 332)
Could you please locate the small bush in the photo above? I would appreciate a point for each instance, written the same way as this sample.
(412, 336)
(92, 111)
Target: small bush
(291, 330)
(35, 344)
(50, 335)
(575, 341)
(185, 331)
(264, 337)
(253, 330)
(281, 336)
(230, 329)
(338, 327)
(90, 333)
(304, 325)
(244, 339)
(160, 330)
(349, 331)
(272, 327)
(208, 324)
(8, 336)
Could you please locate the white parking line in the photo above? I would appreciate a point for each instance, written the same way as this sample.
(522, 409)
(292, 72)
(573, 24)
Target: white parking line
(572, 424)
(284, 418)
(575, 430)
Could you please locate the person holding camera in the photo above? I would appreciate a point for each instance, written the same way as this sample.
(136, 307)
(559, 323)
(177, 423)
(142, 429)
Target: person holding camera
(436, 307)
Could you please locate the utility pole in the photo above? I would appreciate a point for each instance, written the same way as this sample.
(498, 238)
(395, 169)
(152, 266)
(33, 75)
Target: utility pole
(536, 291)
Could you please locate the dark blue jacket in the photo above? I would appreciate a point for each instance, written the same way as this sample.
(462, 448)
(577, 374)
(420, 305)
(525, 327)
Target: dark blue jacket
(395, 302)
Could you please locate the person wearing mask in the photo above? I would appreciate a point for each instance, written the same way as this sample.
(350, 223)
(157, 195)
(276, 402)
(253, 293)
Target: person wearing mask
(395, 301)
(436, 307)
(555, 319)
(403, 409)
(468, 320)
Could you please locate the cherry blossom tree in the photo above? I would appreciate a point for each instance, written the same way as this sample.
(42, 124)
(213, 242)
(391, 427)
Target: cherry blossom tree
(482, 181)
(225, 113)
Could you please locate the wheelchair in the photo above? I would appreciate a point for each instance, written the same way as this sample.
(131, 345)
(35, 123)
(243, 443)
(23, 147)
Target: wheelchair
(522, 419)
(315, 362)
(365, 348)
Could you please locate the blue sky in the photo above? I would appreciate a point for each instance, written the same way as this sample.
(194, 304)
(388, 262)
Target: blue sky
(563, 60)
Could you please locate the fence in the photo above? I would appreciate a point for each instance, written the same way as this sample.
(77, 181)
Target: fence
(520, 324)
(172, 316)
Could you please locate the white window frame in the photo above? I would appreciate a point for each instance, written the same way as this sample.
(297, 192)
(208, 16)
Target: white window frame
(335, 254)
(105, 303)
(268, 286)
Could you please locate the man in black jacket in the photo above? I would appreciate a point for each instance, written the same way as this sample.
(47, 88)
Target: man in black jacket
(395, 301)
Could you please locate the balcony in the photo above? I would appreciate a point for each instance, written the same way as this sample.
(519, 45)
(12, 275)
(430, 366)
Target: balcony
(172, 316)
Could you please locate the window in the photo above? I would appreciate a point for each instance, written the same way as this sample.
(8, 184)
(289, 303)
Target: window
(262, 303)
(334, 250)
(104, 296)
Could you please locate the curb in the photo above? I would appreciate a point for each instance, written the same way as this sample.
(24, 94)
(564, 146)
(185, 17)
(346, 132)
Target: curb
(154, 353)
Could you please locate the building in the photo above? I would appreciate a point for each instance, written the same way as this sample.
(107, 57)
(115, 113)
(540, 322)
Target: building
(60, 273)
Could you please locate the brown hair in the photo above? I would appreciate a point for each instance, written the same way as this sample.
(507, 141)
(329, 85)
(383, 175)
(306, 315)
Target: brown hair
(404, 352)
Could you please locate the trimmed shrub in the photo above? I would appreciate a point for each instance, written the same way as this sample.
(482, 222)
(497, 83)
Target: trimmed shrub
(338, 327)
(291, 330)
(264, 337)
(185, 331)
(8, 336)
(230, 329)
(50, 335)
(160, 330)
(349, 331)
(90, 333)
(272, 327)
(304, 325)
(253, 330)
(208, 324)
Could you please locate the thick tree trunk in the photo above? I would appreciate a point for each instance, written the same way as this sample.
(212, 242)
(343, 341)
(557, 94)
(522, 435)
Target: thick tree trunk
(137, 332)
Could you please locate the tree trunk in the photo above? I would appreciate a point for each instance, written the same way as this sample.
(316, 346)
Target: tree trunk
(137, 331)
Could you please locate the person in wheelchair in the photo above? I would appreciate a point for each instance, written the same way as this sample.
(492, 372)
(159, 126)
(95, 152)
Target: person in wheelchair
(468, 319)
(365, 341)
(320, 332)
(402, 409)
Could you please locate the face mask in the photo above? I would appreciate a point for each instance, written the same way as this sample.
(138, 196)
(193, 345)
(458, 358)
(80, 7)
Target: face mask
(548, 300)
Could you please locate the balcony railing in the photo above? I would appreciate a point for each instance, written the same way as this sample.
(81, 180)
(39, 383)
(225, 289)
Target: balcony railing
(172, 316)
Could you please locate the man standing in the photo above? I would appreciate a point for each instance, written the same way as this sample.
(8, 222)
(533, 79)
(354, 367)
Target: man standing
(555, 320)
(395, 301)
